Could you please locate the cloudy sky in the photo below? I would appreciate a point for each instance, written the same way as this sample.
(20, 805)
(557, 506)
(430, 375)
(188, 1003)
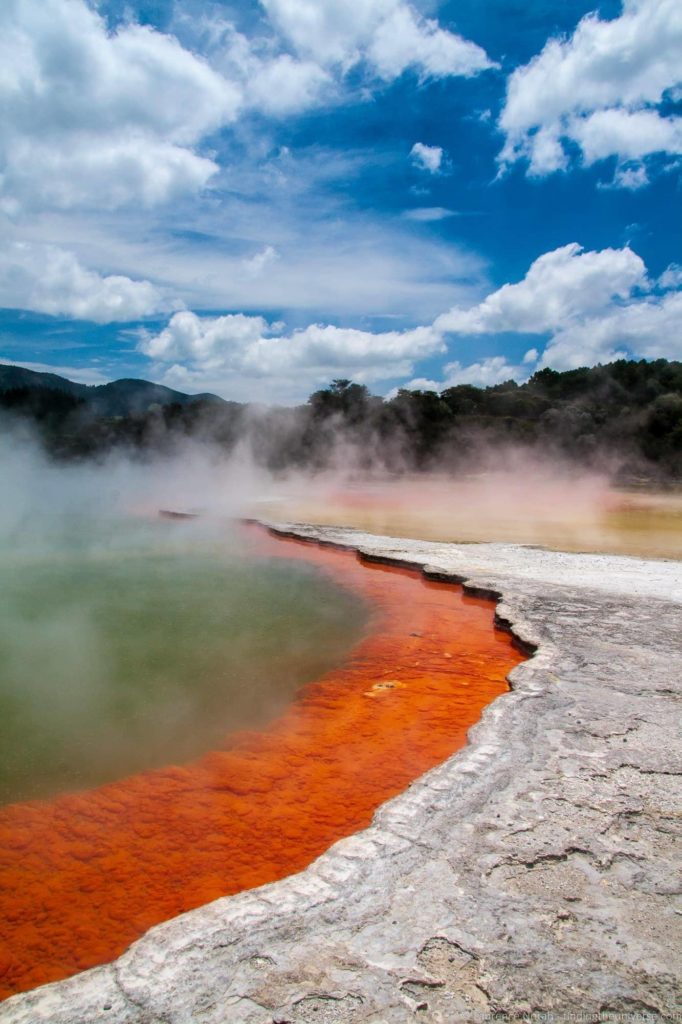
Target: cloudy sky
(255, 197)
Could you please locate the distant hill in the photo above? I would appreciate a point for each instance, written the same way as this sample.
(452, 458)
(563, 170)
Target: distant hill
(621, 418)
(12, 377)
(125, 397)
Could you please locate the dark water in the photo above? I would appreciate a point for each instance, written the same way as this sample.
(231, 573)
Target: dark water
(126, 646)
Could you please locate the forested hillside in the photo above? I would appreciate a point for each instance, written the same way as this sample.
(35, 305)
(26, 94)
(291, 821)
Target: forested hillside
(625, 417)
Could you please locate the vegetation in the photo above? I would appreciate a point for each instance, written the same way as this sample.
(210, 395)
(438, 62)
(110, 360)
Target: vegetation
(625, 416)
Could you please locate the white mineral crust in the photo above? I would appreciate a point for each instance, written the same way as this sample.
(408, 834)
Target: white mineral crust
(534, 873)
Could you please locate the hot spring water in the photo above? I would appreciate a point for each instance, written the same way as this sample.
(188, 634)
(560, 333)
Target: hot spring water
(126, 645)
(158, 650)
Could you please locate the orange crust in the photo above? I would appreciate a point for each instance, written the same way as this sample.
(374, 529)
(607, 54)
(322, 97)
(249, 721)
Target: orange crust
(83, 875)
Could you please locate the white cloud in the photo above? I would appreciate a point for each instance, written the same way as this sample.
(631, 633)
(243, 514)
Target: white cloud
(648, 328)
(327, 348)
(90, 116)
(270, 81)
(283, 85)
(103, 174)
(331, 31)
(428, 214)
(671, 277)
(591, 306)
(244, 348)
(405, 40)
(584, 307)
(628, 176)
(101, 119)
(595, 307)
(427, 158)
(390, 35)
(630, 134)
(204, 340)
(483, 374)
(255, 265)
(334, 259)
(560, 286)
(598, 89)
(46, 279)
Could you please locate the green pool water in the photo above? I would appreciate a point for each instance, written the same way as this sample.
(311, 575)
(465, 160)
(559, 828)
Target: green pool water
(125, 646)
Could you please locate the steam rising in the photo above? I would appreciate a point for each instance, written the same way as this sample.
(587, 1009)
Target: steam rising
(74, 536)
(194, 477)
(512, 495)
(129, 642)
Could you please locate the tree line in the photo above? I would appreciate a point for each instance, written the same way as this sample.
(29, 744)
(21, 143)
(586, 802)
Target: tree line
(625, 416)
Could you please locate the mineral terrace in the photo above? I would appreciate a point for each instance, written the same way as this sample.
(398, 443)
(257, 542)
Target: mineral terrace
(534, 874)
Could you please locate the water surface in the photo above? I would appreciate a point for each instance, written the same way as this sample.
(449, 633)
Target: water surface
(127, 645)
(579, 513)
(82, 875)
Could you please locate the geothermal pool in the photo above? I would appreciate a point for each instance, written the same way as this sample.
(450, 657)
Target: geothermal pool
(130, 644)
(260, 701)
(580, 513)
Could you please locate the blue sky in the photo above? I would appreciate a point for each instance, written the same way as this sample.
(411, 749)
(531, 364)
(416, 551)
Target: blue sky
(255, 198)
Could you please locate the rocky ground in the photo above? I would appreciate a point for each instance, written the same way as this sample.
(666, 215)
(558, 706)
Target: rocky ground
(534, 875)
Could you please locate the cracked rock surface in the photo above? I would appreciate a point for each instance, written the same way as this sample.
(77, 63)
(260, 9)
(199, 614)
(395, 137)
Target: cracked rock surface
(536, 872)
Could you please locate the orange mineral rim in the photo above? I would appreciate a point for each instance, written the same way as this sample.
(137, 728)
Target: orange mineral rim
(85, 874)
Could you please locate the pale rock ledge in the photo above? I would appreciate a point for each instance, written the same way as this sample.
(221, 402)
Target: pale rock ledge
(536, 873)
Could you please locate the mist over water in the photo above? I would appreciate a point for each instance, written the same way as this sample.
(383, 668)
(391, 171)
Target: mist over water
(128, 641)
(125, 637)
(514, 500)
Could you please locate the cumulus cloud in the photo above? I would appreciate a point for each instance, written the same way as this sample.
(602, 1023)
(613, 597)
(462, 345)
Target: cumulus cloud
(47, 279)
(100, 118)
(427, 158)
(405, 40)
(584, 307)
(327, 348)
(559, 286)
(270, 81)
(600, 90)
(632, 135)
(389, 35)
(282, 85)
(483, 374)
(101, 174)
(593, 306)
(207, 340)
(648, 329)
(93, 116)
(193, 350)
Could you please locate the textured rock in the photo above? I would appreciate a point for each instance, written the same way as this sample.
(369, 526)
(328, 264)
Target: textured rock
(536, 872)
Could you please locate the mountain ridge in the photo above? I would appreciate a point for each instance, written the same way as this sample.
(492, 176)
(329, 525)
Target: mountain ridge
(125, 396)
